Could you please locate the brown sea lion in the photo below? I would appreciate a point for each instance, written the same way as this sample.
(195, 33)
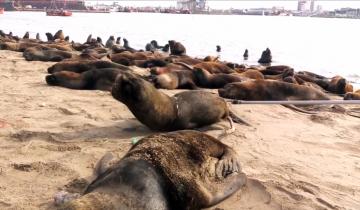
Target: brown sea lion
(171, 171)
(83, 65)
(275, 70)
(176, 48)
(176, 80)
(207, 80)
(170, 67)
(96, 79)
(210, 58)
(59, 35)
(252, 74)
(215, 67)
(183, 59)
(19, 47)
(267, 90)
(352, 96)
(45, 54)
(158, 111)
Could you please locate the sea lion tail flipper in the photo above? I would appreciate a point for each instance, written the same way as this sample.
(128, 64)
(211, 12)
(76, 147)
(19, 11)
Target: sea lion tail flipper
(103, 164)
(237, 119)
(229, 186)
(293, 107)
(353, 113)
(232, 127)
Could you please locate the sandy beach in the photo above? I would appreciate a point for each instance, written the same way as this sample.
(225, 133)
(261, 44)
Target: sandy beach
(50, 136)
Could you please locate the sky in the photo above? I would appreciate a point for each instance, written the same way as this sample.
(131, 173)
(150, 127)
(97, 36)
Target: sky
(243, 4)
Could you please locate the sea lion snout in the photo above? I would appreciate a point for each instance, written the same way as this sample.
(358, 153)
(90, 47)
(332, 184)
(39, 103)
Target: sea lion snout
(51, 80)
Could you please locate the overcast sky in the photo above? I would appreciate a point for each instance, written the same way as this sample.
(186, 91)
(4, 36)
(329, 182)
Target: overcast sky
(225, 4)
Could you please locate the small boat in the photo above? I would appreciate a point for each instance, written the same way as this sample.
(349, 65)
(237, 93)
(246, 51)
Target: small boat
(2, 10)
(54, 11)
(58, 12)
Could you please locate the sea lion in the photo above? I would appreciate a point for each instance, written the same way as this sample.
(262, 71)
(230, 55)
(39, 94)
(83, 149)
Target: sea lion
(214, 67)
(59, 35)
(127, 46)
(207, 80)
(110, 42)
(176, 48)
(49, 37)
(96, 79)
(339, 85)
(118, 40)
(176, 80)
(84, 65)
(251, 74)
(67, 39)
(352, 96)
(266, 57)
(218, 48)
(246, 54)
(171, 171)
(19, 47)
(183, 59)
(45, 54)
(158, 111)
(38, 36)
(166, 48)
(210, 58)
(267, 90)
(26, 36)
(99, 41)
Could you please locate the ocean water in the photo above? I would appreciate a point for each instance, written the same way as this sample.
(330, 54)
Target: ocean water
(325, 46)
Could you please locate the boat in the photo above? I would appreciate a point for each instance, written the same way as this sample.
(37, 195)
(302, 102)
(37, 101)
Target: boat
(2, 10)
(54, 11)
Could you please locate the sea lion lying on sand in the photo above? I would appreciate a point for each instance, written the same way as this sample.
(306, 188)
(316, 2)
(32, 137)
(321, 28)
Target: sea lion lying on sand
(336, 84)
(96, 79)
(207, 80)
(158, 111)
(267, 90)
(171, 171)
(45, 54)
(176, 80)
(84, 65)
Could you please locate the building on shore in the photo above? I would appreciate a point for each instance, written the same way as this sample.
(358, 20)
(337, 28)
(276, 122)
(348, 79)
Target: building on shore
(193, 6)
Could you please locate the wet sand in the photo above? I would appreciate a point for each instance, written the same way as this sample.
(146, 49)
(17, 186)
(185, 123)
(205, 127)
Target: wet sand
(50, 136)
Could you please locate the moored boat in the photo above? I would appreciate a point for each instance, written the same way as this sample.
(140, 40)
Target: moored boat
(58, 12)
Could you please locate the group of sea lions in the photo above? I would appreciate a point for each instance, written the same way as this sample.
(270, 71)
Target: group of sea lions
(183, 169)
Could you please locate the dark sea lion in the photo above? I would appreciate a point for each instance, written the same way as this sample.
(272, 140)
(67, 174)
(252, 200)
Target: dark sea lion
(207, 80)
(45, 54)
(49, 37)
(166, 48)
(158, 111)
(176, 48)
(246, 54)
(81, 66)
(339, 85)
(149, 47)
(110, 42)
(266, 57)
(59, 35)
(99, 40)
(275, 70)
(156, 45)
(96, 79)
(118, 40)
(280, 77)
(218, 48)
(67, 39)
(173, 171)
(210, 58)
(268, 90)
(38, 36)
(127, 46)
(176, 80)
(26, 36)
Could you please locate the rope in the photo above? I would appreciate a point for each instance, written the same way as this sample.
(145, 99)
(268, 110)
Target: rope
(299, 102)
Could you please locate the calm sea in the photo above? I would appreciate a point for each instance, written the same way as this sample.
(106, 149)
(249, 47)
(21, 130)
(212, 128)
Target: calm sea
(324, 46)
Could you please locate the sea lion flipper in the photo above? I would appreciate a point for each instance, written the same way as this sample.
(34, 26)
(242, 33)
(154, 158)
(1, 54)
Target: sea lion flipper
(237, 119)
(103, 164)
(293, 107)
(227, 187)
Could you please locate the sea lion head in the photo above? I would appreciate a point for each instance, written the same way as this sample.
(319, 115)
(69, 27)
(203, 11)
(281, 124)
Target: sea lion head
(49, 36)
(58, 77)
(129, 88)
(233, 91)
(166, 48)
